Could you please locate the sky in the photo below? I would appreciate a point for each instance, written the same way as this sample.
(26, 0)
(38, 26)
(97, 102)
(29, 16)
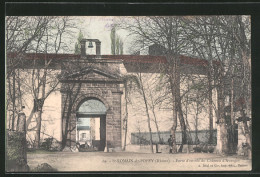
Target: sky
(99, 27)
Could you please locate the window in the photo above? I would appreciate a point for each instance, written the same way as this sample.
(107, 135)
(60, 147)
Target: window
(83, 136)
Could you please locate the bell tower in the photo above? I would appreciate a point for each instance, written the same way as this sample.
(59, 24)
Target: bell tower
(83, 46)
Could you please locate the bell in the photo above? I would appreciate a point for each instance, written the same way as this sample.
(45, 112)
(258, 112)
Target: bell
(90, 45)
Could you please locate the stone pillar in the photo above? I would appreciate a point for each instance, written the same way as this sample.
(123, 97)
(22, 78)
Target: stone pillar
(98, 48)
(16, 147)
(222, 139)
(72, 129)
(219, 144)
(113, 123)
(83, 47)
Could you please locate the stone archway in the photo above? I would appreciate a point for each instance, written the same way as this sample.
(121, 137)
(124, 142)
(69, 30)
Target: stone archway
(91, 124)
(97, 84)
(84, 97)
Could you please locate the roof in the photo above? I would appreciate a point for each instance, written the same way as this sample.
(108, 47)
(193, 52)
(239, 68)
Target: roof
(36, 56)
(83, 128)
(186, 60)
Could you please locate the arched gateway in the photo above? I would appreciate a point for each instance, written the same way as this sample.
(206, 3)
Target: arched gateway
(91, 124)
(91, 106)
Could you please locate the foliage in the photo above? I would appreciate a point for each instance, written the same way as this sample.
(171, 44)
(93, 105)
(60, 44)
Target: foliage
(14, 146)
(131, 81)
(222, 41)
(204, 148)
(77, 44)
(113, 40)
(35, 34)
(47, 144)
(15, 152)
(117, 44)
(197, 149)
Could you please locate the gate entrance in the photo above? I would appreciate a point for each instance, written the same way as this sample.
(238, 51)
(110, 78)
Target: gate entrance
(91, 125)
(91, 102)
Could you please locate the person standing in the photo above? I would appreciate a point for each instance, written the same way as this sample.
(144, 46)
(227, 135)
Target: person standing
(170, 144)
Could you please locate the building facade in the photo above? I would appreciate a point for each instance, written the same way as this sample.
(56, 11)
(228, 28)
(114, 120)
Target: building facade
(92, 87)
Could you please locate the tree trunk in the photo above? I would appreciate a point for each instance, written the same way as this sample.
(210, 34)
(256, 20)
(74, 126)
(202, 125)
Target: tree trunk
(39, 113)
(155, 118)
(196, 125)
(147, 113)
(67, 118)
(9, 101)
(38, 129)
(233, 143)
(13, 120)
(29, 119)
(67, 110)
(223, 144)
(126, 116)
(210, 140)
(178, 103)
(19, 89)
(173, 132)
(174, 113)
(156, 124)
(183, 127)
(247, 135)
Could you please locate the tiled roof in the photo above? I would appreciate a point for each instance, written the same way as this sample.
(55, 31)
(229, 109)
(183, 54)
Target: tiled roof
(125, 58)
(44, 56)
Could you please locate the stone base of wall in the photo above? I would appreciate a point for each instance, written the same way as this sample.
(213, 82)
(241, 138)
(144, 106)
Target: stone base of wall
(165, 148)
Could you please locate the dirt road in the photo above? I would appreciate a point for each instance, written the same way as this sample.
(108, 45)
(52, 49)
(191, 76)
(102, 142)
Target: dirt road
(126, 161)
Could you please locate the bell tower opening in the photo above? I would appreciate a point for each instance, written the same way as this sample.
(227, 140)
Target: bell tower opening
(91, 125)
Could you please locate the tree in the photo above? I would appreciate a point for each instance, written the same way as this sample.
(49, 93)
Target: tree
(38, 35)
(72, 91)
(240, 30)
(128, 81)
(210, 44)
(148, 97)
(77, 44)
(165, 32)
(20, 34)
(219, 40)
(216, 39)
(117, 44)
(152, 106)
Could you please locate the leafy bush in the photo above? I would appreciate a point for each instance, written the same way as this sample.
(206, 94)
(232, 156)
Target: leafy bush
(46, 145)
(51, 144)
(204, 148)
(197, 149)
(14, 146)
(211, 149)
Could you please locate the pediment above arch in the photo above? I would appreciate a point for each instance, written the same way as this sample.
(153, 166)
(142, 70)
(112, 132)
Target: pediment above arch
(91, 74)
